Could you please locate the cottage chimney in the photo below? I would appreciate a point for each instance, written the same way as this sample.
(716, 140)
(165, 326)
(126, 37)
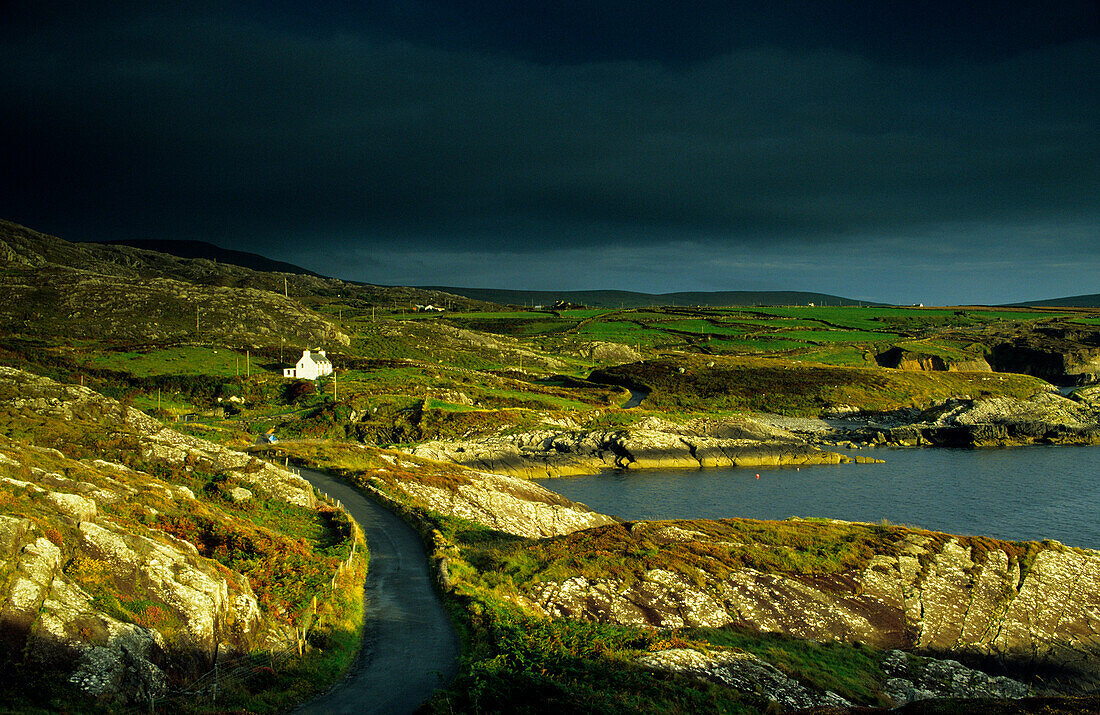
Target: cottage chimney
(305, 353)
(322, 353)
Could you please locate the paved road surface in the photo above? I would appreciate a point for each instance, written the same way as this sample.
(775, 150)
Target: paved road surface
(409, 646)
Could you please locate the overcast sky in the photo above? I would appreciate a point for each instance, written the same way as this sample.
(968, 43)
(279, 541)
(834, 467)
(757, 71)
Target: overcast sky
(936, 152)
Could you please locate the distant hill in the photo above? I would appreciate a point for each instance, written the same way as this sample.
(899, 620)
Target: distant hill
(630, 299)
(202, 249)
(53, 287)
(1076, 301)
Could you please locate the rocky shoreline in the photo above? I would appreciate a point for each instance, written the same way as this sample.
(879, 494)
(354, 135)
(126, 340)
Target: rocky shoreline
(548, 453)
(924, 591)
(774, 441)
(1047, 418)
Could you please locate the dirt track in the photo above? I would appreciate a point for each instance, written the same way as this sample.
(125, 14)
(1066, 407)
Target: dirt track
(409, 646)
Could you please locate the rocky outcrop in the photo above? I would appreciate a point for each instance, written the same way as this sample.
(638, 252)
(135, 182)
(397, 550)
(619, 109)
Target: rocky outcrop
(1047, 418)
(920, 591)
(505, 503)
(553, 453)
(52, 613)
(605, 353)
(96, 578)
(1061, 355)
(1089, 396)
(906, 359)
(508, 504)
(22, 393)
(912, 678)
(743, 672)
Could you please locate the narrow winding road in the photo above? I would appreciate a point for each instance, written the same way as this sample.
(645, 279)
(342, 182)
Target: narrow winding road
(410, 648)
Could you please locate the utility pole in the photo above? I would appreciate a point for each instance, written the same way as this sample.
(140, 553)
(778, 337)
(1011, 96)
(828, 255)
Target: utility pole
(286, 294)
(334, 384)
(248, 363)
(196, 320)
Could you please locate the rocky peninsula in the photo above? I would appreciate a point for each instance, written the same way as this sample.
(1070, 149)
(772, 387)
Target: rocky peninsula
(651, 444)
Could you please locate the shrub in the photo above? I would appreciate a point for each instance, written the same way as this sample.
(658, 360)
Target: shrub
(298, 391)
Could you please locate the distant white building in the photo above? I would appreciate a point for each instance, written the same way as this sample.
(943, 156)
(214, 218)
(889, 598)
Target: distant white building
(310, 366)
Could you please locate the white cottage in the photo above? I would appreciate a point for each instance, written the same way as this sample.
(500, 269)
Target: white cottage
(310, 366)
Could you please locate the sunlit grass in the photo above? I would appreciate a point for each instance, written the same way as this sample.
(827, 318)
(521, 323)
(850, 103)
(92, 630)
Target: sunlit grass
(221, 362)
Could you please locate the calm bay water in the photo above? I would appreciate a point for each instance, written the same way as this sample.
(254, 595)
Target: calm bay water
(1019, 494)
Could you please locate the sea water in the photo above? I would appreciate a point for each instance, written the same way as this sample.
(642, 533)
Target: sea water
(1022, 493)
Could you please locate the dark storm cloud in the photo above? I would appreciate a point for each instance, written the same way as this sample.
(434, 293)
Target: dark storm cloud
(424, 129)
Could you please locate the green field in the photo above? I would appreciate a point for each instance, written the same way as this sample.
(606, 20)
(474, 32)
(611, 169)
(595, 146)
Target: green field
(407, 377)
(179, 361)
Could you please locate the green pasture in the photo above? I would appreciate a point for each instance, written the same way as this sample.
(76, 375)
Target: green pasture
(951, 350)
(701, 327)
(871, 318)
(841, 355)
(221, 362)
(624, 332)
(587, 313)
(753, 345)
(839, 336)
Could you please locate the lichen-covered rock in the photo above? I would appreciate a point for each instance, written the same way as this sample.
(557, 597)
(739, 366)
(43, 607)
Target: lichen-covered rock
(123, 669)
(239, 494)
(606, 353)
(743, 672)
(73, 505)
(23, 392)
(905, 359)
(1046, 418)
(926, 591)
(12, 531)
(550, 453)
(184, 582)
(162, 444)
(923, 678)
(508, 504)
(91, 582)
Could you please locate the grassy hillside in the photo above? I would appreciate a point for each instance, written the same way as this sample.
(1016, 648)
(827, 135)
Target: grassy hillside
(147, 531)
(697, 384)
(217, 254)
(55, 284)
(121, 321)
(632, 299)
(1078, 301)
